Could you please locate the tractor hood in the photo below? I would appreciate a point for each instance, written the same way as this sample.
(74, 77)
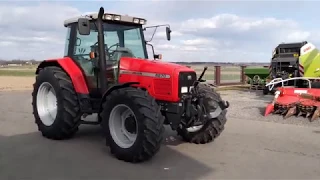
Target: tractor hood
(152, 66)
(163, 80)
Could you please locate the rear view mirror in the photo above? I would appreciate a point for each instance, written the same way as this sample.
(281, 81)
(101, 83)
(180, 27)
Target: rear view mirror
(168, 32)
(84, 26)
(157, 56)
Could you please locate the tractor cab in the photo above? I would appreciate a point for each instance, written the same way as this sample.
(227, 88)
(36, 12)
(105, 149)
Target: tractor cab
(122, 36)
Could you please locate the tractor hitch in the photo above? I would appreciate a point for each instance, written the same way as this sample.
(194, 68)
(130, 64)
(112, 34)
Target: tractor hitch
(196, 83)
(194, 114)
(202, 74)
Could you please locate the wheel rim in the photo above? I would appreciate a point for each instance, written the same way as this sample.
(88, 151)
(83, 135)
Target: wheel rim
(197, 128)
(194, 128)
(46, 104)
(123, 126)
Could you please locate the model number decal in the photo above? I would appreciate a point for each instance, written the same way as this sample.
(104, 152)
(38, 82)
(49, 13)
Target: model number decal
(156, 75)
(161, 75)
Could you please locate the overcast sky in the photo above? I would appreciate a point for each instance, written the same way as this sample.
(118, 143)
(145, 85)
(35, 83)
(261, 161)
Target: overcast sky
(229, 31)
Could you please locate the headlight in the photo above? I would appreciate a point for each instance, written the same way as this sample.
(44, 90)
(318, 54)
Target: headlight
(117, 18)
(184, 89)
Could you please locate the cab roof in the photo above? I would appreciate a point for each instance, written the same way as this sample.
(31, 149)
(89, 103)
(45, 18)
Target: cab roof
(292, 45)
(108, 17)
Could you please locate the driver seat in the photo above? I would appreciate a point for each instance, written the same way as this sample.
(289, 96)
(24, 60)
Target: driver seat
(117, 55)
(122, 52)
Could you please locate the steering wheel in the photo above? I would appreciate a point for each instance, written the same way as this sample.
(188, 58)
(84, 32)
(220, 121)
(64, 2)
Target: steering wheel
(108, 49)
(111, 53)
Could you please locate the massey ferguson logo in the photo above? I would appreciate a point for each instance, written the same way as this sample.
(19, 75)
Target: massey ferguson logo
(189, 77)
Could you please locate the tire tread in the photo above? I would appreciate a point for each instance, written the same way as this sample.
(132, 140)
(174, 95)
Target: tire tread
(69, 118)
(152, 123)
(211, 130)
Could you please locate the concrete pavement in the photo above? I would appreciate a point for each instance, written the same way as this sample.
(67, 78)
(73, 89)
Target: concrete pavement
(247, 149)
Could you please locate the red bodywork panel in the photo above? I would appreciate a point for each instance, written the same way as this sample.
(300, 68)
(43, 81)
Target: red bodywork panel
(143, 71)
(73, 70)
(159, 78)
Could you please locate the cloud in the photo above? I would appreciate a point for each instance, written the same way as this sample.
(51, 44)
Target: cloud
(206, 31)
(229, 37)
(197, 42)
(33, 31)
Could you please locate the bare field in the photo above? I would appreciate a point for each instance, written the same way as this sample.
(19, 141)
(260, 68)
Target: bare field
(12, 83)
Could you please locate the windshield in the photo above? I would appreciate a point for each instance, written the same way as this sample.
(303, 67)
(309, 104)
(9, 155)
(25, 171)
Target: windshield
(116, 35)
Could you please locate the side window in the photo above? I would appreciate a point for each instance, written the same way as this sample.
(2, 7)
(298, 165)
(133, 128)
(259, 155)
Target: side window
(132, 40)
(82, 49)
(111, 38)
(83, 44)
(66, 47)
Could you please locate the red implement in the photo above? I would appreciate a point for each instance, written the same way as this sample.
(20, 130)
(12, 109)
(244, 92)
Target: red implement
(296, 101)
(269, 109)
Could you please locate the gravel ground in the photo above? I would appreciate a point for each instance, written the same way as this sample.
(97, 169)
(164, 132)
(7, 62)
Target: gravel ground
(250, 105)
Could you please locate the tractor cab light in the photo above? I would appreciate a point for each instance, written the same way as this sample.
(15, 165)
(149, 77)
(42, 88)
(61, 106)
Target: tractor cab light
(117, 17)
(136, 20)
(142, 21)
(108, 16)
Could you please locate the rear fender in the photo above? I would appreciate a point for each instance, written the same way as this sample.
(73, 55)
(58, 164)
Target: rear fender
(75, 73)
(115, 87)
(72, 69)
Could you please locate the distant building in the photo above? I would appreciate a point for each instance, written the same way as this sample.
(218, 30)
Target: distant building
(14, 65)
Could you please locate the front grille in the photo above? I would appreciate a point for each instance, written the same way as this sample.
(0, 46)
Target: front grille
(162, 87)
(186, 79)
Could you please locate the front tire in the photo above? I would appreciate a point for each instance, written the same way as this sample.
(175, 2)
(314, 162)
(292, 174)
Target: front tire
(214, 127)
(140, 111)
(55, 104)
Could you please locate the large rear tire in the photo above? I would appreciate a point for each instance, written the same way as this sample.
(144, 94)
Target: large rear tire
(55, 104)
(133, 124)
(214, 127)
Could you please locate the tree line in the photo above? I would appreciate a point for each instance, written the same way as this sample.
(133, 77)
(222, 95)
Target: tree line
(18, 61)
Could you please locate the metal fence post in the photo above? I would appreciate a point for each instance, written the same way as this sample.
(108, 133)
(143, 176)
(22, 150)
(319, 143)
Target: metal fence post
(217, 75)
(243, 76)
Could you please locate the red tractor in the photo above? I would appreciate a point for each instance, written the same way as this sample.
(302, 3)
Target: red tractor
(106, 71)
